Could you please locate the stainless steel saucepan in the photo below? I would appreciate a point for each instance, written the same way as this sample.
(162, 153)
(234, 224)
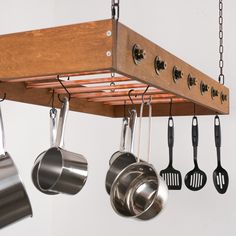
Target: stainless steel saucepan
(14, 201)
(60, 170)
(125, 158)
(34, 174)
(138, 191)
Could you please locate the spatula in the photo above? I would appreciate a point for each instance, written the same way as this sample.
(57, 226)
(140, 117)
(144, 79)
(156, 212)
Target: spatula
(196, 178)
(220, 175)
(172, 176)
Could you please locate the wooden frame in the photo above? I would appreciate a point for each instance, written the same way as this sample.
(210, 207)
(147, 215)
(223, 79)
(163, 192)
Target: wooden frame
(31, 61)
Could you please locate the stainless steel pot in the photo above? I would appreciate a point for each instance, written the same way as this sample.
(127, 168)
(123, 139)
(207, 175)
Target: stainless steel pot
(129, 182)
(138, 191)
(14, 202)
(125, 158)
(34, 173)
(60, 170)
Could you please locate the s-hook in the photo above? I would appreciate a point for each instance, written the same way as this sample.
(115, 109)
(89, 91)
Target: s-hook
(145, 91)
(4, 97)
(130, 98)
(58, 78)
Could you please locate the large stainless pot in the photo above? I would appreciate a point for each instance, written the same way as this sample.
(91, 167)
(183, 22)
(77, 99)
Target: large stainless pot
(138, 191)
(14, 202)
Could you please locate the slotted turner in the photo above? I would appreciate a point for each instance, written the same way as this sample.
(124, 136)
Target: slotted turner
(172, 176)
(220, 175)
(196, 178)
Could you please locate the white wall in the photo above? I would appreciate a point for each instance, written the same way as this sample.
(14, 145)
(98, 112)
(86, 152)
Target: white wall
(186, 28)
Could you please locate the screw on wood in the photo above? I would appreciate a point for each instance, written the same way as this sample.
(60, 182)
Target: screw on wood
(192, 81)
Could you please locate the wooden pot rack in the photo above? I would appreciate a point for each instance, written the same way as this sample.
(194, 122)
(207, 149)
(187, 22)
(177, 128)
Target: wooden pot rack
(91, 54)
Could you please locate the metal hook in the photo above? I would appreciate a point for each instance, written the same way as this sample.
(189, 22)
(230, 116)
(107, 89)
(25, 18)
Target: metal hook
(53, 94)
(171, 103)
(125, 109)
(145, 93)
(58, 78)
(194, 110)
(130, 98)
(4, 97)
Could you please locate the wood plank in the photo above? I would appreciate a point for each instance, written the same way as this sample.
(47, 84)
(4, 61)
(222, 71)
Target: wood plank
(163, 109)
(116, 94)
(145, 71)
(54, 51)
(126, 98)
(53, 77)
(75, 83)
(139, 101)
(18, 92)
(100, 88)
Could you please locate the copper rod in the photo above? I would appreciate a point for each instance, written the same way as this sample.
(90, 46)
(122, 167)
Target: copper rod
(137, 102)
(52, 77)
(74, 83)
(100, 88)
(116, 94)
(126, 98)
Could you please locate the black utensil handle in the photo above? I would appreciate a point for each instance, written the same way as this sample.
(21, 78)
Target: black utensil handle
(170, 132)
(170, 138)
(217, 131)
(195, 136)
(217, 138)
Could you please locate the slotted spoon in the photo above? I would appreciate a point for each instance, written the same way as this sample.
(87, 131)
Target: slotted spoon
(220, 175)
(196, 178)
(172, 176)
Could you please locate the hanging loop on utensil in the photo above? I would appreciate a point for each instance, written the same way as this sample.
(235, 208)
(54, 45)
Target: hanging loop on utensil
(171, 103)
(194, 110)
(4, 97)
(115, 9)
(148, 103)
(61, 100)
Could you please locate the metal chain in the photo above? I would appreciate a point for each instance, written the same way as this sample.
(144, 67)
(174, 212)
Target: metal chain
(115, 9)
(221, 47)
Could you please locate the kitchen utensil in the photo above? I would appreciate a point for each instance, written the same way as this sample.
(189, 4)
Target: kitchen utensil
(220, 175)
(138, 191)
(60, 170)
(172, 176)
(124, 159)
(34, 174)
(196, 178)
(14, 201)
(125, 123)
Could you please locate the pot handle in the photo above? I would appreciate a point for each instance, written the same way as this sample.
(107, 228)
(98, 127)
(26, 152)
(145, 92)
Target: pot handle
(62, 123)
(123, 134)
(149, 128)
(132, 125)
(2, 136)
(53, 128)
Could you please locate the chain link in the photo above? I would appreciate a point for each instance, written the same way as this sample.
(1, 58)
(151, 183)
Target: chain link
(221, 46)
(115, 9)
